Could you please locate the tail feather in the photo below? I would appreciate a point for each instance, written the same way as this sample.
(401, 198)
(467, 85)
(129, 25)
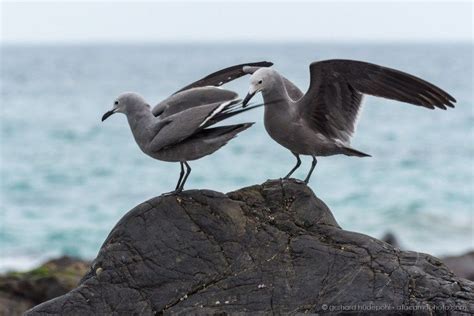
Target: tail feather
(229, 111)
(227, 130)
(352, 152)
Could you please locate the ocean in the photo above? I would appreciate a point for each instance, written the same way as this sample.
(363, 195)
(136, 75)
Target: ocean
(67, 178)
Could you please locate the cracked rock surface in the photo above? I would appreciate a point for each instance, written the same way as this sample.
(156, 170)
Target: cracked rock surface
(270, 248)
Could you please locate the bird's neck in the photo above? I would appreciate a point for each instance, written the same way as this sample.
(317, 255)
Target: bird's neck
(138, 116)
(276, 99)
(140, 123)
(276, 95)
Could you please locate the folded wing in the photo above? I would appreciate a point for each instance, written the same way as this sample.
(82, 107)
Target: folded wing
(182, 125)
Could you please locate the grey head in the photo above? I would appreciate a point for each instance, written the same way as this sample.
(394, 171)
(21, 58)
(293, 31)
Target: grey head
(262, 80)
(127, 103)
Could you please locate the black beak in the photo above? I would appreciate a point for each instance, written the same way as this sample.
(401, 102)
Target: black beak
(107, 114)
(247, 99)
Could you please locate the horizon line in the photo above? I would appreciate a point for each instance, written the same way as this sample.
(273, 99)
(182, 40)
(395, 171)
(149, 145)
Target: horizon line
(238, 42)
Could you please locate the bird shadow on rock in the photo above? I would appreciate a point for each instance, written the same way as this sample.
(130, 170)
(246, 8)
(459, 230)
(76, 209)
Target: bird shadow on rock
(269, 248)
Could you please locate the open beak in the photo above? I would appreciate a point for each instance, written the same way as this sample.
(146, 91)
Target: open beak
(107, 114)
(247, 98)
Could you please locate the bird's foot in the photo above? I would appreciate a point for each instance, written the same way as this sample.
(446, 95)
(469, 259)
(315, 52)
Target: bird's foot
(294, 180)
(175, 192)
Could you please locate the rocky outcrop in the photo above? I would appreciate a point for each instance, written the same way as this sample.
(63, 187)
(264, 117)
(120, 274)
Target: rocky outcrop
(271, 248)
(19, 291)
(462, 265)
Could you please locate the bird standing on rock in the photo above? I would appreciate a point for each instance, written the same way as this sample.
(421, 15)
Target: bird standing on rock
(178, 129)
(322, 121)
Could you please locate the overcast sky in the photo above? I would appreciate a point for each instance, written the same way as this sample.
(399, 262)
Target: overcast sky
(69, 21)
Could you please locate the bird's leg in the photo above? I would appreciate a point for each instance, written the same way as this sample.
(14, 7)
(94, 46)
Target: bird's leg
(188, 171)
(178, 185)
(181, 174)
(298, 163)
(313, 164)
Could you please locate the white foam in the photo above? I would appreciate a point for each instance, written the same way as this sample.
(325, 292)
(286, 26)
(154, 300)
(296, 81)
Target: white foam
(21, 263)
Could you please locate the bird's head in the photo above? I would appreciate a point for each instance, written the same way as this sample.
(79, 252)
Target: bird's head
(126, 103)
(261, 80)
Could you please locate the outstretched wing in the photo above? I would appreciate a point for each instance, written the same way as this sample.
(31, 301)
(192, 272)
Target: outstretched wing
(205, 90)
(225, 75)
(334, 97)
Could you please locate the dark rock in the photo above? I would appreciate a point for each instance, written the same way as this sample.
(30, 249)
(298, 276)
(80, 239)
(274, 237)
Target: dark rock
(271, 248)
(462, 265)
(20, 291)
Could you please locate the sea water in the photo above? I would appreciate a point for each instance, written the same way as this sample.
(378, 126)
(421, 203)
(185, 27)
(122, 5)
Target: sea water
(67, 178)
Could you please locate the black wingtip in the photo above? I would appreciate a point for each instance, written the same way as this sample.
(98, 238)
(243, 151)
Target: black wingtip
(256, 65)
(450, 104)
(262, 64)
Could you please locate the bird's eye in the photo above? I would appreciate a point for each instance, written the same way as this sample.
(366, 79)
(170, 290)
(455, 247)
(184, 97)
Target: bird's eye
(260, 81)
(116, 102)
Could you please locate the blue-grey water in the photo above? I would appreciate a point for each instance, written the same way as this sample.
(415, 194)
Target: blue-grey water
(67, 178)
